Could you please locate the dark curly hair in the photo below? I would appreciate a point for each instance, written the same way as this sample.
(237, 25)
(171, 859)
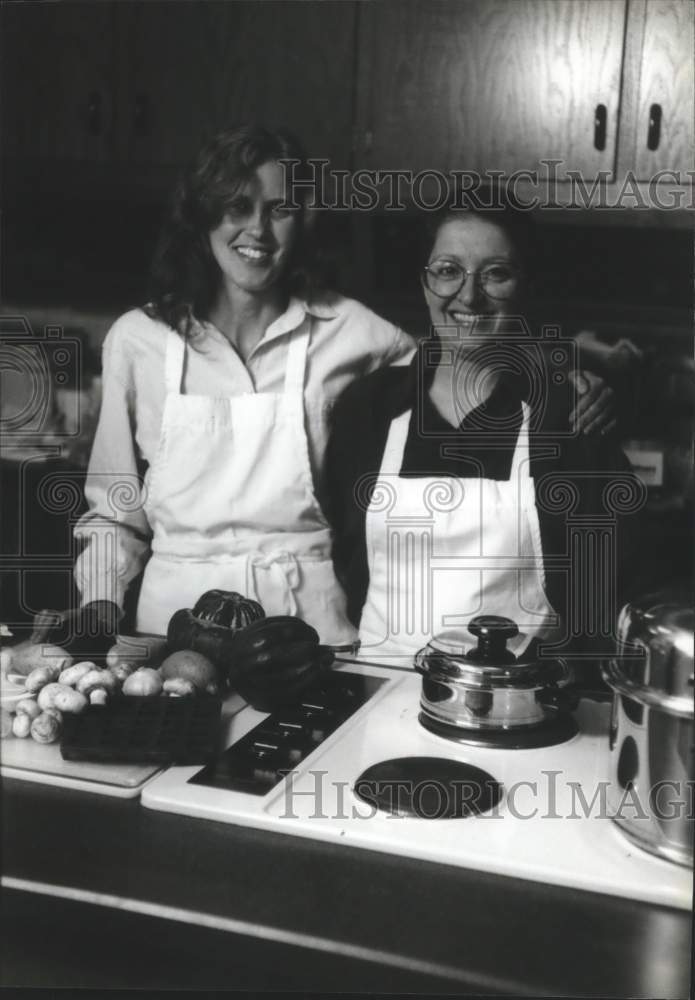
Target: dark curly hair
(184, 276)
(490, 201)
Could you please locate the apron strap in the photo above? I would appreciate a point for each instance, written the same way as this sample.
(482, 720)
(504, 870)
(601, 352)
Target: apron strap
(520, 460)
(174, 362)
(392, 460)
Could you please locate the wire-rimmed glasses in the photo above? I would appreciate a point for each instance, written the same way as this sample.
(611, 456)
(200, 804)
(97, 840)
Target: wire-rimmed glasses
(446, 278)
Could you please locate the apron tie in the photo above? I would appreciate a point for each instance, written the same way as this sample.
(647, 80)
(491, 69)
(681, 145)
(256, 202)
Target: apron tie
(283, 576)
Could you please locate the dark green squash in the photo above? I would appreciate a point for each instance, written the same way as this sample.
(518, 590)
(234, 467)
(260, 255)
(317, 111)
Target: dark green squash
(212, 624)
(227, 608)
(271, 662)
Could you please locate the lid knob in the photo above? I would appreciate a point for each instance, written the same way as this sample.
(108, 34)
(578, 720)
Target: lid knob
(492, 633)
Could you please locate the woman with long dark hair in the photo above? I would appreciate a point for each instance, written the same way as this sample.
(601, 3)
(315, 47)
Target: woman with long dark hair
(216, 396)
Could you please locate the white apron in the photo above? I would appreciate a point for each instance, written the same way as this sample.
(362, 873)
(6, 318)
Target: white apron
(231, 503)
(442, 550)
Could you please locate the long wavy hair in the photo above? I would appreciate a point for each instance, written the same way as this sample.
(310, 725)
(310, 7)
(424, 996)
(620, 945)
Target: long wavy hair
(185, 277)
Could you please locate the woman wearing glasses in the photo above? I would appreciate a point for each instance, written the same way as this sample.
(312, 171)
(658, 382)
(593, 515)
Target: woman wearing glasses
(442, 478)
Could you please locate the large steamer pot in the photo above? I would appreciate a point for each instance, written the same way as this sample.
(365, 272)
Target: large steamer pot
(487, 687)
(650, 795)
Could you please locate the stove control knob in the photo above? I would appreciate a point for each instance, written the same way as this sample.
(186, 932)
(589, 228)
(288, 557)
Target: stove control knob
(492, 633)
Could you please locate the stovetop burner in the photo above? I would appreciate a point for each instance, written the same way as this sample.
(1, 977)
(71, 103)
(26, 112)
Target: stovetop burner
(558, 727)
(428, 787)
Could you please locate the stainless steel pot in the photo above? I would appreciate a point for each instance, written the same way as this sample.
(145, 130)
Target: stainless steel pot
(652, 732)
(487, 687)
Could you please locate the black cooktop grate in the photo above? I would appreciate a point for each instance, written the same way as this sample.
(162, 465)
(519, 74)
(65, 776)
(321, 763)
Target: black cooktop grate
(265, 755)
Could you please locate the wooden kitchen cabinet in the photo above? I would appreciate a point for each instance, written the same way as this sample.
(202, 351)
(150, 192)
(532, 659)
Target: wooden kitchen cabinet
(115, 95)
(58, 65)
(192, 68)
(658, 114)
(490, 84)
(141, 84)
(499, 85)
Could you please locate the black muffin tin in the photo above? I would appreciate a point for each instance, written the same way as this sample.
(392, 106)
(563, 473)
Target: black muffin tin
(140, 730)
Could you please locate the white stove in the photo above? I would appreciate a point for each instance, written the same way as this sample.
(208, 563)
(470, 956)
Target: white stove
(549, 822)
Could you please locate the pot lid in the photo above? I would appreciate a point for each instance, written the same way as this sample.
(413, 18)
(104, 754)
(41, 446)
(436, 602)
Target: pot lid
(488, 662)
(655, 642)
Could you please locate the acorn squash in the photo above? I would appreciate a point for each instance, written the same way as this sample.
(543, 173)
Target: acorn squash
(227, 608)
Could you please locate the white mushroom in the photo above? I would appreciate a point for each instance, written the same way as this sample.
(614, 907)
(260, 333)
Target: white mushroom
(97, 679)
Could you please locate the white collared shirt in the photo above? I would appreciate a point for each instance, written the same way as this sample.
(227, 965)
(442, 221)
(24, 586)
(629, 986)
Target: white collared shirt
(346, 340)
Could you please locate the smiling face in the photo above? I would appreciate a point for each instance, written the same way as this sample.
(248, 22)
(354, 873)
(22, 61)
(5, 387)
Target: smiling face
(474, 243)
(253, 242)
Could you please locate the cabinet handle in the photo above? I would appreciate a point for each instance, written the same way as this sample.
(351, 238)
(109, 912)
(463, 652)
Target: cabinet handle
(654, 130)
(94, 108)
(142, 115)
(600, 127)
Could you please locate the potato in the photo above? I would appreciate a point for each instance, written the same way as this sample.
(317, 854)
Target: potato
(70, 701)
(71, 675)
(45, 728)
(28, 656)
(99, 696)
(47, 695)
(39, 678)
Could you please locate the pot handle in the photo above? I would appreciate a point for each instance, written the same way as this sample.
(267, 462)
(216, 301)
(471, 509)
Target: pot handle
(674, 704)
(419, 661)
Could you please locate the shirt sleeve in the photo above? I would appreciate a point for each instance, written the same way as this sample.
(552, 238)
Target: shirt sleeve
(401, 348)
(114, 532)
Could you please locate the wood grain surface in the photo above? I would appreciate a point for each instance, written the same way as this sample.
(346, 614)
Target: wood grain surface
(667, 78)
(490, 84)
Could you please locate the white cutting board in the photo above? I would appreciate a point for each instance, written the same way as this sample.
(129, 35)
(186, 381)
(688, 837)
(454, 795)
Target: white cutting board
(42, 762)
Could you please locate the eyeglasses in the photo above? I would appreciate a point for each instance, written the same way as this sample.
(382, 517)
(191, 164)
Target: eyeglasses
(445, 278)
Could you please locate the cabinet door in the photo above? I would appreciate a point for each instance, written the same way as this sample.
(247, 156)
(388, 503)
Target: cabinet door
(665, 114)
(191, 68)
(490, 84)
(57, 77)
